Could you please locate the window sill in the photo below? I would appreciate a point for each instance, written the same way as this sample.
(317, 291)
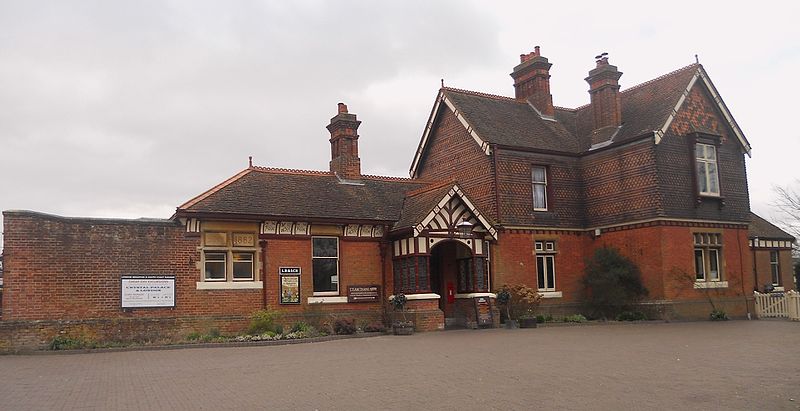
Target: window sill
(551, 294)
(710, 284)
(475, 295)
(227, 285)
(327, 300)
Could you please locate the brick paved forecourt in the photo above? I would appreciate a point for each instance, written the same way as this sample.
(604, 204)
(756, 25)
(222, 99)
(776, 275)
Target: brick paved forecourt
(728, 365)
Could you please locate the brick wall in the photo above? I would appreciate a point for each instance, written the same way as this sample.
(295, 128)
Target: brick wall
(676, 164)
(564, 189)
(764, 268)
(59, 268)
(67, 271)
(453, 154)
(621, 184)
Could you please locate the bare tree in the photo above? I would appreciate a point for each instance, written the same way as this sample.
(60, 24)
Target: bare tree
(788, 205)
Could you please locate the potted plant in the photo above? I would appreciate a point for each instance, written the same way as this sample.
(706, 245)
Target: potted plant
(404, 327)
(527, 300)
(504, 299)
(521, 302)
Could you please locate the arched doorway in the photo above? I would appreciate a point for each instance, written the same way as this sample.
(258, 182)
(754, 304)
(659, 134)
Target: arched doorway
(452, 272)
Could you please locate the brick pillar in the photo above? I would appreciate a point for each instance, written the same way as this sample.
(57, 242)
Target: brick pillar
(532, 81)
(344, 144)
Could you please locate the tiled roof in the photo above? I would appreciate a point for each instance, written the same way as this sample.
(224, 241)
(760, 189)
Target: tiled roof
(762, 228)
(507, 121)
(304, 194)
(419, 203)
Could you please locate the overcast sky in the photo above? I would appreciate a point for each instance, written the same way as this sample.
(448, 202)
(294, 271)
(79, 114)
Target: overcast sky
(128, 109)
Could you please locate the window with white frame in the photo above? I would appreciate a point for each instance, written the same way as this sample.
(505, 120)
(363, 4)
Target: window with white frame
(325, 256)
(707, 250)
(229, 256)
(775, 268)
(539, 187)
(546, 265)
(707, 173)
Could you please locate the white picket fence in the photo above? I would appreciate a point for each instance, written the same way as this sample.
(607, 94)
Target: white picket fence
(777, 305)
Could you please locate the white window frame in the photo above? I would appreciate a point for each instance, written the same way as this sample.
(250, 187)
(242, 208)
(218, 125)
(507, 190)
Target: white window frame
(546, 251)
(224, 265)
(535, 183)
(710, 247)
(775, 268)
(338, 253)
(705, 161)
(252, 265)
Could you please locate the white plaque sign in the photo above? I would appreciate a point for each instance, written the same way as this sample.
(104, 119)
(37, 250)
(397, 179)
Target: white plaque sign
(142, 291)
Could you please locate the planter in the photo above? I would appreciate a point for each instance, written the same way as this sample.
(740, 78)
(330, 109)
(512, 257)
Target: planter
(512, 324)
(403, 328)
(528, 323)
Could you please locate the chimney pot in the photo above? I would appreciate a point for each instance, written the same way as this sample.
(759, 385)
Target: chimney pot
(344, 144)
(604, 92)
(532, 81)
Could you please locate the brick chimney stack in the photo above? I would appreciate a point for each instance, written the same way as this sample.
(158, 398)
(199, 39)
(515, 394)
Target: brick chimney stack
(604, 92)
(532, 81)
(344, 144)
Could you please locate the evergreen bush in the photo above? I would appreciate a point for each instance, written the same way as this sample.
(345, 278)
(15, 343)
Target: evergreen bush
(613, 283)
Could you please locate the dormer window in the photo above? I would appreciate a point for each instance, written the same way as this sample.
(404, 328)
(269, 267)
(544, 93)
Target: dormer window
(707, 172)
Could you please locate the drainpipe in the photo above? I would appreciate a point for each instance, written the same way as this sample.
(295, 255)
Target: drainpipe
(755, 267)
(383, 246)
(263, 244)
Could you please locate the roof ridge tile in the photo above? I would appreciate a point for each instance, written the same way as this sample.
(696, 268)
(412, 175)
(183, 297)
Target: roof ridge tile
(482, 94)
(661, 77)
(279, 170)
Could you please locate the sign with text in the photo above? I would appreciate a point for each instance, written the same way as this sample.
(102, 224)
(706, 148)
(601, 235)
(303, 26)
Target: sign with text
(363, 293)
(289, 270)
(483, 311)
(146, 291)
(290, 289)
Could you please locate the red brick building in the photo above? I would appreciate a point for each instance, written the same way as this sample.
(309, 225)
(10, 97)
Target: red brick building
(502, 190)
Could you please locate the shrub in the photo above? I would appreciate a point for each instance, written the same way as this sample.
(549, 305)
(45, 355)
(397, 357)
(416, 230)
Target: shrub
(193, 336)
(344, 326)
(631, 316)
(613, 283)
(62, 342)
(575, 318)
(301, 326)
(520, 300)
(719, 315)
(264, 320)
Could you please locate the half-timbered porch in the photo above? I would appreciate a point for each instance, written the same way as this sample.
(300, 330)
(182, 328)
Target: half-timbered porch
(441, 259)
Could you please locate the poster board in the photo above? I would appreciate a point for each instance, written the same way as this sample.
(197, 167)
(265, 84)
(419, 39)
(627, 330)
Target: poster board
(483, 311)
(289, 278)
(147, 291)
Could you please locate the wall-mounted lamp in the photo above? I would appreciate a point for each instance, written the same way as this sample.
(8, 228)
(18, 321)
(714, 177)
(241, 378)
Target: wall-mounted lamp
(464, 228)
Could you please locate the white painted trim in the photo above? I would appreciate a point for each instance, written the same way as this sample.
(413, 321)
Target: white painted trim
(441, 98)
(425, 296)
(604, 227)
(443, 202)
(327, 300)
(701, 74)
(475, 295)
(551, 294)
(710, 284)
(229, 285)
